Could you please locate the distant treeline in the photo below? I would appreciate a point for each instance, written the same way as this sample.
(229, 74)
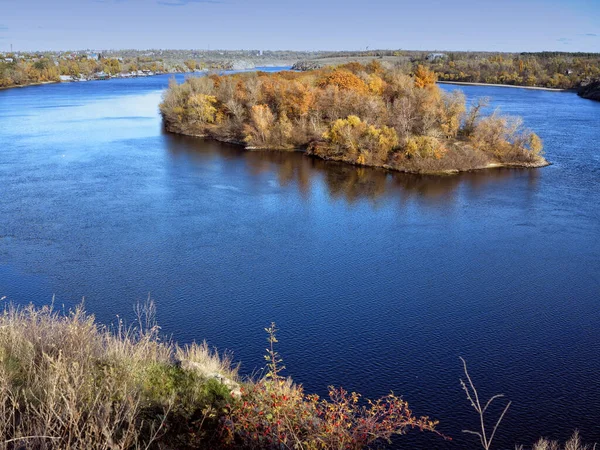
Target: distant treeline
(547, 69)
(544, 69)
(561, 70)
(360, 114)
(30, 70)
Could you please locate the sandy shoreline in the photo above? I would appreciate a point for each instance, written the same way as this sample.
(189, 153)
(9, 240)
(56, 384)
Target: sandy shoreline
(536, 88)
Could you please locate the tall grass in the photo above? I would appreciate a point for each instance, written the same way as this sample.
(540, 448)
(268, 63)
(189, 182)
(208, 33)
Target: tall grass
(67, 382)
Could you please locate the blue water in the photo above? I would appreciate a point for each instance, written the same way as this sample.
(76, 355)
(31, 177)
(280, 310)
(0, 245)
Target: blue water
(378, 281)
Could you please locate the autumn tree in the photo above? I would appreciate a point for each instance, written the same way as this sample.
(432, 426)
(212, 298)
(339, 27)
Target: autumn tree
(201, 108)
(425, 147)
(424, 77)
(360, 142)
(343, 79)
(191, 64)
(452, 112)
(258, 131)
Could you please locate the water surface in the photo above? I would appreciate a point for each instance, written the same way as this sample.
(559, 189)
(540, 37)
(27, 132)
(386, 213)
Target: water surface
(378, 281)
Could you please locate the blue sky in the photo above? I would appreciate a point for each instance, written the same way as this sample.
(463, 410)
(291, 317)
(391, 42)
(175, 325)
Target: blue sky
(499, 25)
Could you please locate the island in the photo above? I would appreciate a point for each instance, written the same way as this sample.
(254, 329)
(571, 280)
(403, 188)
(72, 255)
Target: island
(362, 114)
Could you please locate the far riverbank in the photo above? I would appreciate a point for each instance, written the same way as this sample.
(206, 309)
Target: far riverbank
(537, 88)
(41, 83)
(84, 80)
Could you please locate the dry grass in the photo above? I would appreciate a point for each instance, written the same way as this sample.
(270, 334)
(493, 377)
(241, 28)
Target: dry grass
(572, 444)
(67, 382)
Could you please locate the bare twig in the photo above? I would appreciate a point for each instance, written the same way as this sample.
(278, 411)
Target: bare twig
(473, 397)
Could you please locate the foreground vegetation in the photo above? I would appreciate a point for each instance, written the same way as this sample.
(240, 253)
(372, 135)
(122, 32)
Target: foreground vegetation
(67, 382)
(359, 114)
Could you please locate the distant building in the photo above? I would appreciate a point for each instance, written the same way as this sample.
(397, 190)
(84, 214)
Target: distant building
(436, 56)
(9, 60)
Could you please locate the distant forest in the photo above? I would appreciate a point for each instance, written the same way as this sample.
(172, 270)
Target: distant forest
(22, 69)
(559, 70)
(545, 69)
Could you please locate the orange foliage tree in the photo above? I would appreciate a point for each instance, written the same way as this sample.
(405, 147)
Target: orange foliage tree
(343, 79)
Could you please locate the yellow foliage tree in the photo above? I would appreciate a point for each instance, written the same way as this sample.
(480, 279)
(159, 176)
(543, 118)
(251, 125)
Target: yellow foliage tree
(201, 108)
(376, 85)
(283, 131)
(361, 143)
(375, 67)
(425, 147)
(424, 77)
(535, 144)
(505, 138)
(297, 100)
(258, 132)
(191, 64)
(453, 109)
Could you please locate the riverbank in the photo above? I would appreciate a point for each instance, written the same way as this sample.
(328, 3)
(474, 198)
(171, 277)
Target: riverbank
(41, 83)
(536, 88)
(84, 80)
(72, 383)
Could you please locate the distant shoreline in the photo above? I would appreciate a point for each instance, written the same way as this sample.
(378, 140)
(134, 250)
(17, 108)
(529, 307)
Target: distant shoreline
(194, 73)
(41, 83)
(536, 88)
(458, 83)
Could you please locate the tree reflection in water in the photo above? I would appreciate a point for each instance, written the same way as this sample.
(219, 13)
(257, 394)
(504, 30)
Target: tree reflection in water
(345, 181)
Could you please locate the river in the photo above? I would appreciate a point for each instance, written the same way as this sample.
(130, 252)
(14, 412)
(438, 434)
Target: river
(378, 281)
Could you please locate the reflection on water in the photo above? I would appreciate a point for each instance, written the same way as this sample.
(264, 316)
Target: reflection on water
(344, 181)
